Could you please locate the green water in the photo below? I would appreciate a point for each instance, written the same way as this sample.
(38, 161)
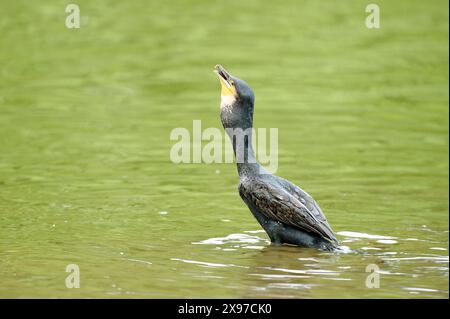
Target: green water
(85, 173)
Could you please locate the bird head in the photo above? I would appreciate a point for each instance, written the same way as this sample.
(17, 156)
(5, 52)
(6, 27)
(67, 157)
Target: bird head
(237, 100)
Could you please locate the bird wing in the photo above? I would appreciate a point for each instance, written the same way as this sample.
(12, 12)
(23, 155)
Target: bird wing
(277, 203)
(305, 199)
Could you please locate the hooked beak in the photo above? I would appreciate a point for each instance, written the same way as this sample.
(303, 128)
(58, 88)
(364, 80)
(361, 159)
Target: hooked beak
(226, 82)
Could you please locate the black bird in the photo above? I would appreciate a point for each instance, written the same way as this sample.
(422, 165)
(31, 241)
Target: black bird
(288, 214)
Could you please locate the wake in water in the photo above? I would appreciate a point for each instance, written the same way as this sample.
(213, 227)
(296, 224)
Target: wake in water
(370, 242)
(236, 241)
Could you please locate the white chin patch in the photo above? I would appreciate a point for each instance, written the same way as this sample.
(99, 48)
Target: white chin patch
(227, 100)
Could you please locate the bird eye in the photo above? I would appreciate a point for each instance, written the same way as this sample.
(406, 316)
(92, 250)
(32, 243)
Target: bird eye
(231, 82)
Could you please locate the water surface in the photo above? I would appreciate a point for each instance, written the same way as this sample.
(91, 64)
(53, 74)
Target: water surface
(85, 174)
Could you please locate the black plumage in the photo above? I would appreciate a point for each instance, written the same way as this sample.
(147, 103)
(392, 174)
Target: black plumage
(288, 214)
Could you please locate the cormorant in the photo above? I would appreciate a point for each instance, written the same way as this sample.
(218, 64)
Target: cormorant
(288, 214)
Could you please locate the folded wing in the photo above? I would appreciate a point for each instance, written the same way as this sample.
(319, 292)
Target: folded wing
(289, 205)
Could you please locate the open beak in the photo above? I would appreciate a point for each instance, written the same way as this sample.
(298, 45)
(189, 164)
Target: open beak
(226, 82)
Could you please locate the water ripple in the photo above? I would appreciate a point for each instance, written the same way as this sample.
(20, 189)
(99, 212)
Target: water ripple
(206, 264)
(236, 241)
(363, 235)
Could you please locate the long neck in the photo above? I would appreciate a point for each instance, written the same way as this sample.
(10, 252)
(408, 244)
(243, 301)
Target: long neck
(243, 151)
(238, 123)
